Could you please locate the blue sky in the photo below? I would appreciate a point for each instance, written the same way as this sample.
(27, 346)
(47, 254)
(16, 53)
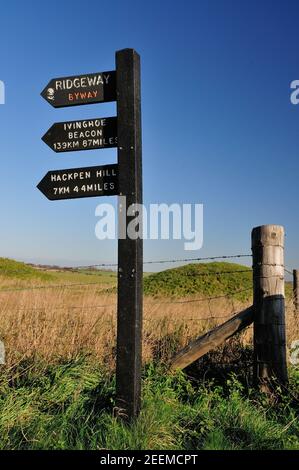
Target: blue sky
(218, 125)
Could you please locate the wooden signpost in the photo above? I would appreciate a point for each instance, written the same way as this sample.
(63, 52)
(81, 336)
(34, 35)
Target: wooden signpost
(130, 252)
(123, 179)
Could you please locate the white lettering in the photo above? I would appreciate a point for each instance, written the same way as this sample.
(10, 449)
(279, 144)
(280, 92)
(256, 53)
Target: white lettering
(2, 92)
(295, 94)
(82, 82)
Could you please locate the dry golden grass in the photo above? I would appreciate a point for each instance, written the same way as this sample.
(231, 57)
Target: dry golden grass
(61, 322)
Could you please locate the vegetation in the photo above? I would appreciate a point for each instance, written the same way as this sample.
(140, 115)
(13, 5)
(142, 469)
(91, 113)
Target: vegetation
(70, 406)
(207, 279)
(57, 387)
(17, 274)
(10, 268)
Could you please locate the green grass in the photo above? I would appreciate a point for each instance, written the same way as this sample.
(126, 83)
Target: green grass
(188, 280)
(85, 276)
(70, 406)
(21, 273)
(202, 279)
(12, 269)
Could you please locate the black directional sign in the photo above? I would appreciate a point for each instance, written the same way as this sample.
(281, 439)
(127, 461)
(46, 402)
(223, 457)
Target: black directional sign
(80, 182)
(123, 178)
(88, 134)
(81, 89)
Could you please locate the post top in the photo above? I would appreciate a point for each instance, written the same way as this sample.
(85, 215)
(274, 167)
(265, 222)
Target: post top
(268, 235)
(127, 50)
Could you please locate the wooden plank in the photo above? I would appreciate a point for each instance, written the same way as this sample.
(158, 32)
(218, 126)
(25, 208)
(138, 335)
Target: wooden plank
(130, 251)
(212, 339)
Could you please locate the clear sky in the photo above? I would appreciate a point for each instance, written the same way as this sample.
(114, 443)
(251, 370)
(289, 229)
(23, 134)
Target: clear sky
(218, 125)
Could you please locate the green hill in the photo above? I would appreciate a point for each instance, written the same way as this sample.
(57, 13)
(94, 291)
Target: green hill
(20, 274)
(206, 279)
(10, 268)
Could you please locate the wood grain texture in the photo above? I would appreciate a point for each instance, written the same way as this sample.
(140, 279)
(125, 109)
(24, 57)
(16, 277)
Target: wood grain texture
(202, 345)
(269, 306)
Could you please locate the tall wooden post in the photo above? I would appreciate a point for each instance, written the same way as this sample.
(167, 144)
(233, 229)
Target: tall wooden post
(130, 251)
(269, 306)
(296, 289)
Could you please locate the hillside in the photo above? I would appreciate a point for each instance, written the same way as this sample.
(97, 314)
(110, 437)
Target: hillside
(12, 269)
(19, 274)
(206, 279)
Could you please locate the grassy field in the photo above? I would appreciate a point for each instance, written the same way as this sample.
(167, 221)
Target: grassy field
(57, 386)
(70, 406)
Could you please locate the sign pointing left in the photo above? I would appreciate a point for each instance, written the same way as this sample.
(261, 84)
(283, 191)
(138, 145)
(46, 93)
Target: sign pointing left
(88, 134)
(80, 182)
(81, 89)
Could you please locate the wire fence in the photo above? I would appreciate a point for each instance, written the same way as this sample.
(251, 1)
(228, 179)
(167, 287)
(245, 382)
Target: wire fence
(146, 262)
(165, 261)
(158, 326)
(152, 303)
(109, 310)
(49, 286)
(288, 271)
(88, 284)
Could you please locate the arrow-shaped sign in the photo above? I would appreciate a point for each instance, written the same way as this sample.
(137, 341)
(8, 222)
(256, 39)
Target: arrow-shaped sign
(80, 182)
(81, 89)
(88, 134)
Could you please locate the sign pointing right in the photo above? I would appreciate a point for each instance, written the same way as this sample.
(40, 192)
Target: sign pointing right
(88, 134)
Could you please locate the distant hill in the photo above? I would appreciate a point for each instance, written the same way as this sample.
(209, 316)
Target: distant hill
(10, 268)
(206, 279)
(201, 279)
(73, 269)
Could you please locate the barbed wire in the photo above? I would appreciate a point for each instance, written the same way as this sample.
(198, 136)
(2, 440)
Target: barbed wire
(210, 363)
(216, 273)
(110, 265)
(151, 320)
(65, 307)
(203, 299)
(54, 286)
(183, 320)
(288, 271)
(50, 286)
(198, 259)
(162, 261)
(156, 302)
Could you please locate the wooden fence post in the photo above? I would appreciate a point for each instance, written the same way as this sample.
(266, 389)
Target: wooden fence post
(269, 307)
(296, 289)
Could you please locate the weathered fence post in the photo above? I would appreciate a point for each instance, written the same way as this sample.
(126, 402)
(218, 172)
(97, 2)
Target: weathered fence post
(296, 289)
(269, 306)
